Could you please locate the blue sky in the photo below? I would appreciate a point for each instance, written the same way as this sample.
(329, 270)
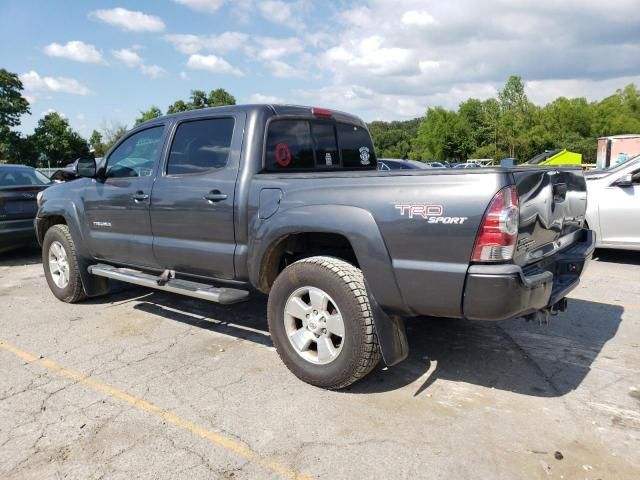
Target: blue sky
(99, 61)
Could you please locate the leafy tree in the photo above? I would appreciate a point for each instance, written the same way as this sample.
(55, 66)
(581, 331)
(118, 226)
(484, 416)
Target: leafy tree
(200, 99)
(12, 103)
(54, 137)
(150, 114)
(178, 106)
(95, 141)
(220, 97)
(12, 106)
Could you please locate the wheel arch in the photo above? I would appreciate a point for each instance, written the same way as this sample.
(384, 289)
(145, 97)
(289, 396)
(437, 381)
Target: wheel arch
(352, 233)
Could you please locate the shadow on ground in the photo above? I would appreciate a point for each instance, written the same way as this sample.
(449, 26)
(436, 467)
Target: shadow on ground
(516, 356)
(29, 255)
(628, 257)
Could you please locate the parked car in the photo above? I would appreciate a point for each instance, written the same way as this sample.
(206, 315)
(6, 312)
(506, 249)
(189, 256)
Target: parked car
(613, 205)
(216, 203)
(387, 164)
(19, 187)
(467, 165)
(436, 164)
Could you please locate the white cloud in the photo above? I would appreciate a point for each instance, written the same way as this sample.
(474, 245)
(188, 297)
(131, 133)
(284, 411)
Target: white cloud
(131, 59)
(80, 116)
(190, 44)
(272, 48)
(128, 57)
(212, 63)
(259, 98)
(75, 50)
(208, 6)
(153, 71)
(288, 14)
(33, 82)
(184, 76)
(282, 69)
(418, 18)
(129, 20)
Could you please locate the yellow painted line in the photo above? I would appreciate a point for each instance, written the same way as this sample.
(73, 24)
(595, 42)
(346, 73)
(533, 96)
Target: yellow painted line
(215, 438)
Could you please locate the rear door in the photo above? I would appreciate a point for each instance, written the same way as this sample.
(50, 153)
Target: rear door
(553, 204)
(192, 204)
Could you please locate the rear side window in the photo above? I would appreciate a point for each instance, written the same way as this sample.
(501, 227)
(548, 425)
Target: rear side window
(200, 146)
(317, 144)
(355, 143)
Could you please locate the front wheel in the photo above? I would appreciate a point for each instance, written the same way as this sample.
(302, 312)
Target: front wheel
(321, 322)
(61, 265)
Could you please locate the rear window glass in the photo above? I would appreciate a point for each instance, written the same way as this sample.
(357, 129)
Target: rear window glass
(317, 144)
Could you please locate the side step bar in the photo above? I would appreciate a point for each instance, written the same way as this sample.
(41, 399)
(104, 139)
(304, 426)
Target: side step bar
(183, 287)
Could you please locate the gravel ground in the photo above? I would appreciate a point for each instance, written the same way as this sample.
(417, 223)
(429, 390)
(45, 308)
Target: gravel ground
(141, 384)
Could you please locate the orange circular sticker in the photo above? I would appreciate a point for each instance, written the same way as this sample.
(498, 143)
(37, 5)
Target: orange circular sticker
(283, 155)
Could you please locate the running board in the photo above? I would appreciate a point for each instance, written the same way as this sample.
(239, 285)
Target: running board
(183, 287)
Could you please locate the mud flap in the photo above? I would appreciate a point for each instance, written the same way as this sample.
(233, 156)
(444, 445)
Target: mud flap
(392, 335)
(92, 285)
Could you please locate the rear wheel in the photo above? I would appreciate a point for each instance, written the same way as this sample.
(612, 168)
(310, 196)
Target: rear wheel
(321, 322)
(61, 265)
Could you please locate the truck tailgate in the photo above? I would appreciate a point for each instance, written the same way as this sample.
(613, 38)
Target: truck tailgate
(553, 203)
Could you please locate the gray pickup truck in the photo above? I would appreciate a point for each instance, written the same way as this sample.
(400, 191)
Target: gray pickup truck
(287, 201)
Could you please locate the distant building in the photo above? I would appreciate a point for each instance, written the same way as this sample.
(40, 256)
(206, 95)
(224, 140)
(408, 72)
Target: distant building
(617, 149)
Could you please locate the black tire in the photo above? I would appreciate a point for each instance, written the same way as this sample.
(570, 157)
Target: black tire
(344, 283)
(73, 291)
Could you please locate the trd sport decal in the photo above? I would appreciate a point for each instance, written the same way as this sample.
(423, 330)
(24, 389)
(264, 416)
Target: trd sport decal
(431, 212)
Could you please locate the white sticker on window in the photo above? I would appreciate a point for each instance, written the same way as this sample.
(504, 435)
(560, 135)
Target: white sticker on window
(364, 155)
(327, 159)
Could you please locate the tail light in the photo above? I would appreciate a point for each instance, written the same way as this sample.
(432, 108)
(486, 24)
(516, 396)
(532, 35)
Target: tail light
(321, 112)
(496, 240)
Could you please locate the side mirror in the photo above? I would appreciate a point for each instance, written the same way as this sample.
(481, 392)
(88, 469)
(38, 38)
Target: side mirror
(625, 180)
(86, 167)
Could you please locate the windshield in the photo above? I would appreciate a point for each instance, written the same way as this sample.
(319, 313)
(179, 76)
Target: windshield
(619, 166)
(19, 176)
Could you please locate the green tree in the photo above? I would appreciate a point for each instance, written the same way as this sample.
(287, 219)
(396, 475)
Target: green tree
(220, 97)
(178, 106)
(54, 137)
(95, 141)
(12, 106)
(12, 103)
(153, 112)
(198, 99)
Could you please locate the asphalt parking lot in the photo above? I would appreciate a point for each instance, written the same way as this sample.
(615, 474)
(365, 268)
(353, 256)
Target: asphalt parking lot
(141, 384)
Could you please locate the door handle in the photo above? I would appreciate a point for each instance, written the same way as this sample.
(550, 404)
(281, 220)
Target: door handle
(215, 196)
(139, 196)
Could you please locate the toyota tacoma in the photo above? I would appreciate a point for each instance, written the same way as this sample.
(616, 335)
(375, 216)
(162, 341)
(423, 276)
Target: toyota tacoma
(286, 200)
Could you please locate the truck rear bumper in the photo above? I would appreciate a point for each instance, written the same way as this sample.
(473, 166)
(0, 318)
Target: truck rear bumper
(524, 291)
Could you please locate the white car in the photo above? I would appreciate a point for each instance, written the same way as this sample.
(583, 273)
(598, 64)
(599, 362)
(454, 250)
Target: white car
(613, 205)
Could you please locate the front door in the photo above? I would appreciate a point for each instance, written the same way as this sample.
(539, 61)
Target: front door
(620, 213)
(117, 207)
(192, 203)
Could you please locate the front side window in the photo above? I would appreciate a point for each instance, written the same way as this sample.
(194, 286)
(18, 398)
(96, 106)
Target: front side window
(200, 146)
(136, 156)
